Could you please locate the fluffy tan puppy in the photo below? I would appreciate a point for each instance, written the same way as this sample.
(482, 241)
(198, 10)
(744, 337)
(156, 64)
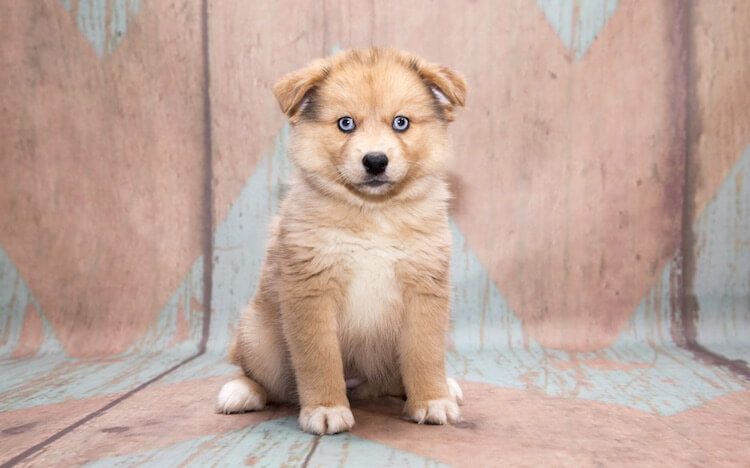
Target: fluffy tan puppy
(355, 291)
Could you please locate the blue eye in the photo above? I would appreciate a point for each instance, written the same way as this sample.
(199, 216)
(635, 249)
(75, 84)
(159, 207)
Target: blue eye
(346, 124)
(400, 123)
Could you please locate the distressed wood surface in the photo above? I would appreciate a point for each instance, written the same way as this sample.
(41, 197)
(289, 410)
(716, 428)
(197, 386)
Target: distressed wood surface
(717, 228)
(581, 268)
(569, 189)
(720, 120)
(248, 55)
(101, 165)
(578, 432)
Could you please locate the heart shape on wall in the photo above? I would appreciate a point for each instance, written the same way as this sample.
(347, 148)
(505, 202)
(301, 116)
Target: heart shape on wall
(106, 163)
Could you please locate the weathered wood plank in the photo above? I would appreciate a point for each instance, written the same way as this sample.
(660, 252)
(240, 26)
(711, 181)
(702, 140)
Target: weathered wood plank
(720, 83)
(569, 204)
(570, 173)
(21, 429)
(720, 282)
(100, 194)
(171, 425)
(717, 231)
(101, 167)
(251, 45)
(513, 428)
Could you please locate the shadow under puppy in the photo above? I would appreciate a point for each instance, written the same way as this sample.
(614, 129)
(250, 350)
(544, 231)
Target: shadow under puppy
(355, 292)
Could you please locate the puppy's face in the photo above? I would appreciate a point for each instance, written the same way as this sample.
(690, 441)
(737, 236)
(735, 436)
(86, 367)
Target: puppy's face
(370, 124)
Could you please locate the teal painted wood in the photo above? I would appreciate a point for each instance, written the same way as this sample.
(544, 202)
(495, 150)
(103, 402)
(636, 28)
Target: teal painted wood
(239, 249)
(52, 377)
(578, 22)
(644, 369)
(184, 309)
(273, 443)
(350, 450)
(48, 379)
(16, 300)
(240, 241)
(103, 23)
(721, 283)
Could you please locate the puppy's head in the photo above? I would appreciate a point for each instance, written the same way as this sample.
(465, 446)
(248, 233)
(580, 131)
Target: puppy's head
(371, 123)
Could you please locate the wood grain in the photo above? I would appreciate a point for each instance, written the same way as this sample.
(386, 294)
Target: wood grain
(101, 167)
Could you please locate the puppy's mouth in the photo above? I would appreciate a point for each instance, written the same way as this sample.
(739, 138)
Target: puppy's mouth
(374, 183)
(369, 185)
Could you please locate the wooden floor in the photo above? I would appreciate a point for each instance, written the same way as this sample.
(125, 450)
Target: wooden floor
(634, 404)
(601, 229)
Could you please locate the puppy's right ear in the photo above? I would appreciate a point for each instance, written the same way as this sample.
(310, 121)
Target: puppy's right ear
(292, 89)
(448, 86)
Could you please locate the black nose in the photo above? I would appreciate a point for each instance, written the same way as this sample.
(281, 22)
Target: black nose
(375, 163)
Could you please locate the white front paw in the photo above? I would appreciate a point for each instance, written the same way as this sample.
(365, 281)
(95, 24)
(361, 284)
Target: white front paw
(441, 411)
(326, 419)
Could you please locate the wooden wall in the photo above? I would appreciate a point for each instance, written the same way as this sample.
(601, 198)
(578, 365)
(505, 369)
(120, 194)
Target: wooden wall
(603, 142)
(601, 224)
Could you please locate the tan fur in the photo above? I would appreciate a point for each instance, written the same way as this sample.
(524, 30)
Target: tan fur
(356, 280)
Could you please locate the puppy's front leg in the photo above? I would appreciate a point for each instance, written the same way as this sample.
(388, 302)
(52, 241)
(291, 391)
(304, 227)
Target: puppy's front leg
(422, 359)
(311, 332)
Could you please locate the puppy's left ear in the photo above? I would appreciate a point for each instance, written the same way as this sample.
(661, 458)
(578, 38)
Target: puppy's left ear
(448, 86)
(293, 88)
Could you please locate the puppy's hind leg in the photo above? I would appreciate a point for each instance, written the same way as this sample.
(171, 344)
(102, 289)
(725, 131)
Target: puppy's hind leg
(259, 350)
(240, 395)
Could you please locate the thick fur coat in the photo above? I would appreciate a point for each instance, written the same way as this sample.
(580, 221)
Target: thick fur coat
(354, 296)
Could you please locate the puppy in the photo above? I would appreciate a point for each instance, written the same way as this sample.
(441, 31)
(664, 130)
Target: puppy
(355, 290)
